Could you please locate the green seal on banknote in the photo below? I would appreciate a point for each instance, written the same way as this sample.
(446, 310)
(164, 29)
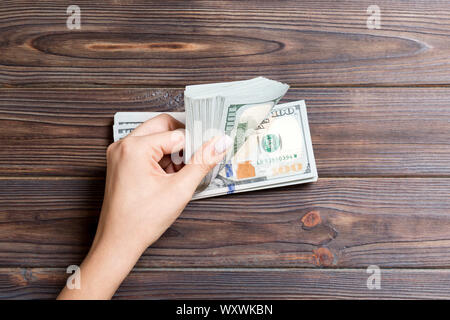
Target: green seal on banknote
(271, 142)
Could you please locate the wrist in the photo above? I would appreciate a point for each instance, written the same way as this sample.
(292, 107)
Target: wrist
(107, 265)
(102, 271)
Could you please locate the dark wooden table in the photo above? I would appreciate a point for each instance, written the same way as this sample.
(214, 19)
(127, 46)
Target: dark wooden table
(379, 109)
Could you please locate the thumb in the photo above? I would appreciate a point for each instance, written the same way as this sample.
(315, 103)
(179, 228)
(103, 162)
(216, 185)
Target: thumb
(203, 161)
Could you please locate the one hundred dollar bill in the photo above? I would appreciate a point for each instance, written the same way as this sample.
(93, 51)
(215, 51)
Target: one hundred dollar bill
(279, 152)
(125, 122)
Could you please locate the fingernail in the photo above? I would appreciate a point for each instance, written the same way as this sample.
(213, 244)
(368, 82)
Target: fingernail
(223, 144)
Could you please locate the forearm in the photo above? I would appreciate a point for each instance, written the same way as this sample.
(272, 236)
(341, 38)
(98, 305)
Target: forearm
(102, 272)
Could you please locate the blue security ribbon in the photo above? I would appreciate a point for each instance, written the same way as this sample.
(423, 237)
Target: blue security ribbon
(229, 173)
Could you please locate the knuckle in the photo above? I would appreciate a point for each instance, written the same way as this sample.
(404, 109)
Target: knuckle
(110, 149)
(164, 117)
(168, 120)
(127, 146)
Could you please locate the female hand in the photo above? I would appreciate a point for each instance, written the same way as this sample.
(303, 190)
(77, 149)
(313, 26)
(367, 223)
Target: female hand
(145, 192)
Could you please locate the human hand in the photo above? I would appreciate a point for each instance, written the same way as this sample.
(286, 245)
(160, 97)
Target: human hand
(145, 192)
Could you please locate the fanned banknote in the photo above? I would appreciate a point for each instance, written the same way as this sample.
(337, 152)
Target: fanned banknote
(232, 108)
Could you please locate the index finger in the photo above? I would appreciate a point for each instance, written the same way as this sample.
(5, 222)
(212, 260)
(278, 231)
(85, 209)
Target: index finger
(158, 124)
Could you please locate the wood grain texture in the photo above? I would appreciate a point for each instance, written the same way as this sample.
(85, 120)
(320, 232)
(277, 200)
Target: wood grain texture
(141, 43)
(387, 222)
(356, 132)
(240, 284)
(382, 150)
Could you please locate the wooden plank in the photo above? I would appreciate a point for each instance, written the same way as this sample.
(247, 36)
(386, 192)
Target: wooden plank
(359, 132)
(140, 43)
(241, 284)
(343, 223)
(66, 132)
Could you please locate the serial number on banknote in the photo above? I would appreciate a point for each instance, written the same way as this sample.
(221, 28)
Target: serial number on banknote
(284, 157)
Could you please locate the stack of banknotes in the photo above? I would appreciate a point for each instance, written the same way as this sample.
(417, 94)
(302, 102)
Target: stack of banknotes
(272, 143)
